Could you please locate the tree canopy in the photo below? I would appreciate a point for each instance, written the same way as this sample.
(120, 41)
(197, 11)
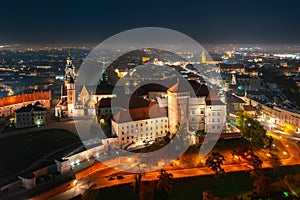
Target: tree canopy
(252, 130)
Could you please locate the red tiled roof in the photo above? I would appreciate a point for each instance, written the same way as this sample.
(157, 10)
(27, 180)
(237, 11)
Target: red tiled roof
(212, 96)
(249, 108)
(233, 99)
(25, 98)
(152, 111)
(122, 101)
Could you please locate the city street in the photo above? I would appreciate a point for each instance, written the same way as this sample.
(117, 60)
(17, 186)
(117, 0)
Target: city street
(99, 179)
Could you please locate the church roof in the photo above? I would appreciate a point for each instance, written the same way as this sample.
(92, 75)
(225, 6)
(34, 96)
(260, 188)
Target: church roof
(104, 88)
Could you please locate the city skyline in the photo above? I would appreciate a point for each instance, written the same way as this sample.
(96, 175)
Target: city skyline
(150, 100)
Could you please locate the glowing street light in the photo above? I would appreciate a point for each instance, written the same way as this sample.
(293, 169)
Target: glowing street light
(75, 182)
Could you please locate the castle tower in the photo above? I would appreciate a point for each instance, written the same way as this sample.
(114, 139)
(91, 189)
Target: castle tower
(70, 85)
(177, 106)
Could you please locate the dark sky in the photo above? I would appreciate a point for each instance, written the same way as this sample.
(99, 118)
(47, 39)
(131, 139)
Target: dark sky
(210, 21)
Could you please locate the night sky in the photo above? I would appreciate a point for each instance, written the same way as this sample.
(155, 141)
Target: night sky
(211, 21)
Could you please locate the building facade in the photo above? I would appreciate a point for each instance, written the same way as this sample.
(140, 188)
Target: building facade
(137, 127)
(199, 109)
(30, 116)
(8, 105)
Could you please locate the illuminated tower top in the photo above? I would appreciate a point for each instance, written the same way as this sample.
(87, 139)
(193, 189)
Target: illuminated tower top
(69, 71)
(233, 79)
(203, 57)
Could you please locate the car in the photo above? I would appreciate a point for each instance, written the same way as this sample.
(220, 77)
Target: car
(111, 178)
(120, 177)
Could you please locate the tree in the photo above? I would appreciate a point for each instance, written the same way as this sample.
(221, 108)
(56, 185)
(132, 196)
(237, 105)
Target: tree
(275, 162)
(262, 186)
(255, 162)
(181, 138)
(214, 162)
(253, 196)
(200, 134)
(251, 129)
(164, 185)
(137, 184)
(207, 195)
(269, 141)
(234, 197)
(290, 182)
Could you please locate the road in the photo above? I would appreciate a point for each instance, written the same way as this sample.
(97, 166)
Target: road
(100, 180)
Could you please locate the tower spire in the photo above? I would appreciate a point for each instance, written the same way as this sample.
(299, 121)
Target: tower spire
(69, 70)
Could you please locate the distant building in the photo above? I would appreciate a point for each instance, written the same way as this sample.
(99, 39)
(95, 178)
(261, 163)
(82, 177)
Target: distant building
(283, 64)
(28, 180)
(30, 115)
(229, 68)
(247, 82)
(279, 115)
(8, 105)
(251, 110)
(234, 104)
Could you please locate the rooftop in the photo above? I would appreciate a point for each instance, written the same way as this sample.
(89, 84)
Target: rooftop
(30, 107)
(249, 108)
(150, 112)
(122, 101)
(36, 96)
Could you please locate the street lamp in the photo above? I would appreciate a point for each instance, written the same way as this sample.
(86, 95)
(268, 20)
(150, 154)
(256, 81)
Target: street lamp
(75, 182)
